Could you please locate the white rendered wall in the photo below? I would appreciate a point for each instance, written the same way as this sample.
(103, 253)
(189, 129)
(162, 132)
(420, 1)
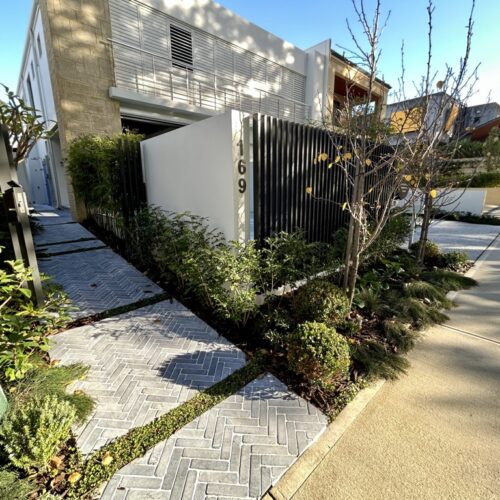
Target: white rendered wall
(223, 23)
(194, 169)
(469, 200)
(318, 61)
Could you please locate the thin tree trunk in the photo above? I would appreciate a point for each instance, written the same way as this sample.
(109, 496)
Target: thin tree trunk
(424, 233)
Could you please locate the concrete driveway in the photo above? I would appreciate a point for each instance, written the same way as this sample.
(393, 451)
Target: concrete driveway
(435, 433)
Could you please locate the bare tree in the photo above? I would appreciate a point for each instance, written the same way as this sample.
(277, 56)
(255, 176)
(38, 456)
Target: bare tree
(378, 157)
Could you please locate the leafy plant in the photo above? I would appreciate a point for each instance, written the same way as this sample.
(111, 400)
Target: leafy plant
(288, 257)
(13, 488)
(45, 380)
(431, 250)
(491, 150)
(319, 353)
(25, 326)
(448, 280)
(95, 174)
(393, 235)
(24, 124)
(36, 431)
(322, 301)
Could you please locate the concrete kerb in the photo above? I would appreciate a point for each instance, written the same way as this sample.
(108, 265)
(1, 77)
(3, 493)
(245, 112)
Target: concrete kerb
(297, 474)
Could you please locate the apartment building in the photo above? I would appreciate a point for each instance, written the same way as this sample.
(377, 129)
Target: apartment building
(101, 66)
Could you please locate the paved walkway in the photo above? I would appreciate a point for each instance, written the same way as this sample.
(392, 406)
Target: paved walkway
(96, 279)
(434, 433)
(145, 362)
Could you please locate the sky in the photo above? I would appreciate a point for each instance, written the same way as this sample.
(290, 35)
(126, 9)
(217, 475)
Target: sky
(305, 23)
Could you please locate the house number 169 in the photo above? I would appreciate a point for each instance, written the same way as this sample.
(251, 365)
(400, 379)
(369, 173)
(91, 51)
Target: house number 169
(242, 170)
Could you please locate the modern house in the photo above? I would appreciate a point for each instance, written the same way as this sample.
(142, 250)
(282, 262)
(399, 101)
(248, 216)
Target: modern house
(436, 114)
(101, 66)
(477, 121)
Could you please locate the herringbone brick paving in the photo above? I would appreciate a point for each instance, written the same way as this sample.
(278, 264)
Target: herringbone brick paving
(237, 449)
(143, 364)
(68, 247)
(59, 233)
(98, 280)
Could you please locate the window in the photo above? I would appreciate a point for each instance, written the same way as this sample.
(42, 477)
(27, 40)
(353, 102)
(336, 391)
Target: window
(30, 92)
(181, 44)
(39, 44)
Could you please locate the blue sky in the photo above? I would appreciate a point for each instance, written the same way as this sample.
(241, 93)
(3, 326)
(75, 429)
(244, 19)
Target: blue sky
(305, 23)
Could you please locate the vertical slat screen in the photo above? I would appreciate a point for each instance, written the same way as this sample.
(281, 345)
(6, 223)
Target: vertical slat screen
(283, 156)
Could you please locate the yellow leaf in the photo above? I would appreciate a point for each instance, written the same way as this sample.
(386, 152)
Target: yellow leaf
(330, 165)
(368, 162)
(347, 156)
(107, 459)
(337, 159)
(370, 190)
(408, 178)
(433, 193)
(339, 147)
(323, 156)
(309, 190)
(74, 477)
(315, 161)
(344, 206)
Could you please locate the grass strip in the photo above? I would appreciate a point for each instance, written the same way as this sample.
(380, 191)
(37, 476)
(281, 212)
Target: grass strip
(102, 464)
(149, 301)
(43, 245)
(46, 255)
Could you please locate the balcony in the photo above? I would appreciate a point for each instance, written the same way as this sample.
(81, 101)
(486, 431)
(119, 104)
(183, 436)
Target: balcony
(150, 74)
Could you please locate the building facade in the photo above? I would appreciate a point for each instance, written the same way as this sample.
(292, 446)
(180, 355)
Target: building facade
(101, 66)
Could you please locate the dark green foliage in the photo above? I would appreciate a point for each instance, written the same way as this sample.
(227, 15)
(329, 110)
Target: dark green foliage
(288, 257)
(92, 162)
(379, 361)
(484, 180)
(136, 442)
(454, 261)
(370, 300)
(448, 280)
(392, 236)
(318, 352)
(468, 217)
(13, 488)
(468, 149)
(320, 300)
(400, 335)
(431, 250)
(46, 380)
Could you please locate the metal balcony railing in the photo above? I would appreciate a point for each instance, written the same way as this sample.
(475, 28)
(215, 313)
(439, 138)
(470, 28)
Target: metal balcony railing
(151, 74)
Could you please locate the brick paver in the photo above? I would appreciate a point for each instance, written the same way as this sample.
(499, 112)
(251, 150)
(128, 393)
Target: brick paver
(59, 233)
(143, 364)
(98, 280)
(237, 449)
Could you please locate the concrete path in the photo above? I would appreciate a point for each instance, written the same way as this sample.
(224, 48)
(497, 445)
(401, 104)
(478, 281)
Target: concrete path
(472, 238)
(434, 433)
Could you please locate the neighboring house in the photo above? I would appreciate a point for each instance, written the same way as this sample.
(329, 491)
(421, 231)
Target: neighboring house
(99, 66)
(347, 80)
(440, 119)
(477, 121)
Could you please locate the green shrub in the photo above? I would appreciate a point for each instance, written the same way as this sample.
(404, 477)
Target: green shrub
(322, 301)
(448, 280)
(431, 250)
(25, 326)
(491, 150)
(393, 235)
(454, 261)
(94, 170)
(319, 353)
(400, 335)
(485, 180)
(468, 149)
(36, 432)
(13, 488)
(288, 257)
(46, 380)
